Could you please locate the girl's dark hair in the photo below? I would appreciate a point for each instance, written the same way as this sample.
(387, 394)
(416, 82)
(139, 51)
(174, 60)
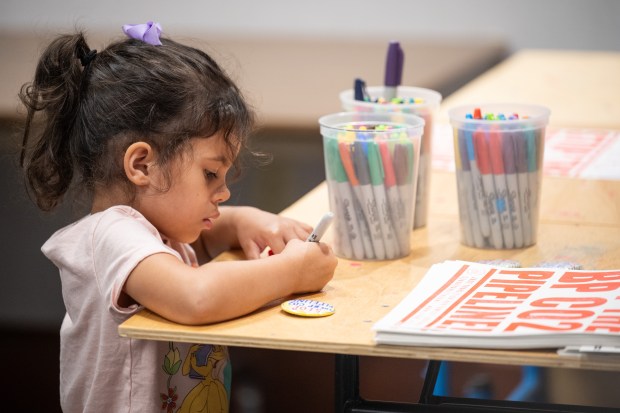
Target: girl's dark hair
(130, 91)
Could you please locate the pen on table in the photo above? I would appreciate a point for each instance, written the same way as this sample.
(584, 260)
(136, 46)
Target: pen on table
(347, 220)
(369, 203)
(321, 227)
(514, 202)
(392, 247)
(393, 70)
(472, 204)
(499, 177)
(484, 165)
(347, 163)
(520, 144)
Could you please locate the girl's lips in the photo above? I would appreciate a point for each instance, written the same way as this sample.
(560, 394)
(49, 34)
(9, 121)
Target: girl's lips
(209, 221)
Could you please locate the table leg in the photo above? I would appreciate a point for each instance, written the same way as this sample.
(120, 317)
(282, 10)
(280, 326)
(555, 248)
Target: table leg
(430, 380)
(347, 381)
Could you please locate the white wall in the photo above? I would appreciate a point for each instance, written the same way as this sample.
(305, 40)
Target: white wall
(564, 24)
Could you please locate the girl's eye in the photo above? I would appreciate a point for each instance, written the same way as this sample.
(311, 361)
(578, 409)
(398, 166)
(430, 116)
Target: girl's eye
(210, 175)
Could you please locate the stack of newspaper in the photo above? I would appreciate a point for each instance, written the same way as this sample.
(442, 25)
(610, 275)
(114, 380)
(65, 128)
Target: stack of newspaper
(465, 304)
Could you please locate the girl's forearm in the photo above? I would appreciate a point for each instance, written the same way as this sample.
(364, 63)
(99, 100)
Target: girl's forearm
(231, 289)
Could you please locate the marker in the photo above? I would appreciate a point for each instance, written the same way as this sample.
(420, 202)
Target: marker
(499, 177)
(393, 70)
(368, 201)
(533, 178)
(321, 227)
(359, 88)
(514, 202)
(392, 248)
(347, 163)
(520, 143)
(483, 213)
(347, 225)
(424, 160)
(397, 208)
(461, 192)
(472, 204)
(484, 164)
(477, 113)
(403, 171)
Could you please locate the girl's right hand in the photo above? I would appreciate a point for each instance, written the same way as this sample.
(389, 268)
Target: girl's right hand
(314, 264)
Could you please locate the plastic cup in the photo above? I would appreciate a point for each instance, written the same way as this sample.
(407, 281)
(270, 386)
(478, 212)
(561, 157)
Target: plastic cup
(417, 101)
(499, 158)
(371, 165)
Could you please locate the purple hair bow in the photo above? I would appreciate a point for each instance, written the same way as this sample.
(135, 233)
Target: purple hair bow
(148, 32)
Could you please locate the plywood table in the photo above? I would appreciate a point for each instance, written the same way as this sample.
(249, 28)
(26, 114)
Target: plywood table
(585, 229)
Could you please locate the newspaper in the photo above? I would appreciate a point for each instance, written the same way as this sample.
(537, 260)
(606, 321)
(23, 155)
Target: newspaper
(465, 304)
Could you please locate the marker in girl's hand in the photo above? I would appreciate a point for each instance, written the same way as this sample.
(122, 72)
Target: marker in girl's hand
(321, 227)
(318, 231)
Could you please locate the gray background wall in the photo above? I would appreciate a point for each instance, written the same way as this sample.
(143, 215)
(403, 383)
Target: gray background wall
(577, 24)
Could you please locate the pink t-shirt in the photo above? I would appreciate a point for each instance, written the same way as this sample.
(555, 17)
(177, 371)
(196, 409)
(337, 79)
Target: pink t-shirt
(102, 371)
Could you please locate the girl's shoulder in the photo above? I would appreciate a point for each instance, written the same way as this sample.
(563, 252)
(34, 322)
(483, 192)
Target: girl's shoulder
(121, 220)
(117, 220)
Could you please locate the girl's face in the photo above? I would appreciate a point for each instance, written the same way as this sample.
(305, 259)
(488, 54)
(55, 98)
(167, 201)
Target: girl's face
(197, 188)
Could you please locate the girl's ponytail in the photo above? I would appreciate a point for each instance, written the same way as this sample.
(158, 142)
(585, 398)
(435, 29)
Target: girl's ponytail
(48, 148)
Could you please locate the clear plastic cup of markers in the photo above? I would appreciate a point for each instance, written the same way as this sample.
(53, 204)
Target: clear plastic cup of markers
(498, 153)
(412, 100)
(371, 164)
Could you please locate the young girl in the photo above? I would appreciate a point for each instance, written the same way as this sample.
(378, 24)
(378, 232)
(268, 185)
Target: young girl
(149, 128)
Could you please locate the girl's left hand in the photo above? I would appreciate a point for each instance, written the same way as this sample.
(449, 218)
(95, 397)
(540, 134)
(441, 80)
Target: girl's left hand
(257, 230)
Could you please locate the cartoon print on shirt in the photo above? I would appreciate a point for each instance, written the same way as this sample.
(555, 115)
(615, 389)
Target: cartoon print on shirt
(172, 362)
(204, 362)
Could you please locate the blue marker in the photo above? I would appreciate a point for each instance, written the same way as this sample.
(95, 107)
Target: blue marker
(360, 92)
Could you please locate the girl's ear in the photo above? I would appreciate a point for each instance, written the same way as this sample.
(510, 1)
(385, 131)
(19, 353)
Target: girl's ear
(137, 161)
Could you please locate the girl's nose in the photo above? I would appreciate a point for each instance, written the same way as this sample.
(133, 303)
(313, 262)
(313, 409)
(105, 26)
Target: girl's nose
(222, 194)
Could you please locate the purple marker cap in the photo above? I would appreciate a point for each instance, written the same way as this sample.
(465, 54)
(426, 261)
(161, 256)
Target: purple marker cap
(394, 65)
(509, 153)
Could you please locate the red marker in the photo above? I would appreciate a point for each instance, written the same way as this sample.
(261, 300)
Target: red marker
(347, 163)
(477, 113)
(388, 166)
(397, 207)
(484, 165)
